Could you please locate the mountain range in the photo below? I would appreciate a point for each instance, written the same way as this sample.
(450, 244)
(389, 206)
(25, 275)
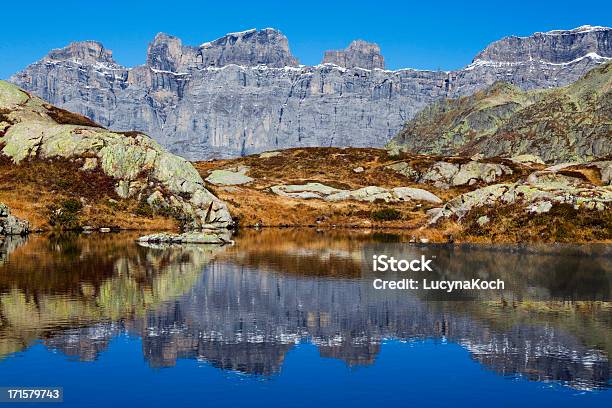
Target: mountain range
(245, 92)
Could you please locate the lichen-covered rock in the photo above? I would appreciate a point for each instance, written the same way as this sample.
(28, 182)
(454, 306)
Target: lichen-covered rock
(368, 194)
(138, 164)
(228, 177)
(605, 171)
(440, 173)
(193, 237)
(11, 225)
(443, 174)
(537, 198)
(483, 220)
(527, 158)
(268, 155)
(405, 169)
(418, 194)
(91, 163)
(474, 171)
(540, 207)
(308, 190)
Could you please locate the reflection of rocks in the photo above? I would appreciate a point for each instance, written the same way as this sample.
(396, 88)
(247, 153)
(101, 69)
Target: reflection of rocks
(245, 311)
(540, 354)
(60, 283)
(8, 245)
(263, 358)
(234, 313)
(352, 354)
(84, 343)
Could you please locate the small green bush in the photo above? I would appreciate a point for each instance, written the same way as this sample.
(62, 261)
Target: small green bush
(72, 205)
(65, 215)
(144, 209)
(386, 214)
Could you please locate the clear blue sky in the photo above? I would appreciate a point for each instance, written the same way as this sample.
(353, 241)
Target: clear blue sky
(417, 34)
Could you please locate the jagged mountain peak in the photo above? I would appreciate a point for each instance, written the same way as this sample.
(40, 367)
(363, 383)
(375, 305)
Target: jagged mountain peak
(187, 102)
(82, 51)
(553, 47)
(582, 29)
(248, 48)
(251, 47)
(359, 53)
(166, 53)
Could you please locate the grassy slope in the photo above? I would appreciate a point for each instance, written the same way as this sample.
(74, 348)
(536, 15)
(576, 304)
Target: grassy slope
(559, 124)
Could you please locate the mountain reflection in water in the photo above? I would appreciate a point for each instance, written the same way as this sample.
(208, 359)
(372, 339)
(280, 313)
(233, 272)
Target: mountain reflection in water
(243, 307)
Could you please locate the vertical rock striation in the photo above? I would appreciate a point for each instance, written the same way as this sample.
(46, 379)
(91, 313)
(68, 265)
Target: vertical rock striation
(245, 93)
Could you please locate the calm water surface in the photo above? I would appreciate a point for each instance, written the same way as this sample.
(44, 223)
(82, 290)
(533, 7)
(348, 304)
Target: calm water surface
(290, 318)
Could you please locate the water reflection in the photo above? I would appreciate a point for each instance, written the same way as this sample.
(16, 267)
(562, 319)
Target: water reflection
(244, 307)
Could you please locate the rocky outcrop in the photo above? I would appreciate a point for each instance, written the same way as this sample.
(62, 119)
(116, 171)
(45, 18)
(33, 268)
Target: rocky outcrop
(359, 54)
(445, 174)
(369, 194)
(537, 194)
(11, 225)
(573, 123)
(140, 167)
(244, 92)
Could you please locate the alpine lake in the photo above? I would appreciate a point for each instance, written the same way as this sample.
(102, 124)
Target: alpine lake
(292, 318)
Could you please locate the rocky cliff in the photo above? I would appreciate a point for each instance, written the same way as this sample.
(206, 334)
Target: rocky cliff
(245, 93)
(571, 123)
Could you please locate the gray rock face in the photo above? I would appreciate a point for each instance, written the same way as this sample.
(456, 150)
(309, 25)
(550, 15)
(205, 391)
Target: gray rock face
(243, 93)
(85, 52)
(555, 47)
(359, 54)
(250, 48)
